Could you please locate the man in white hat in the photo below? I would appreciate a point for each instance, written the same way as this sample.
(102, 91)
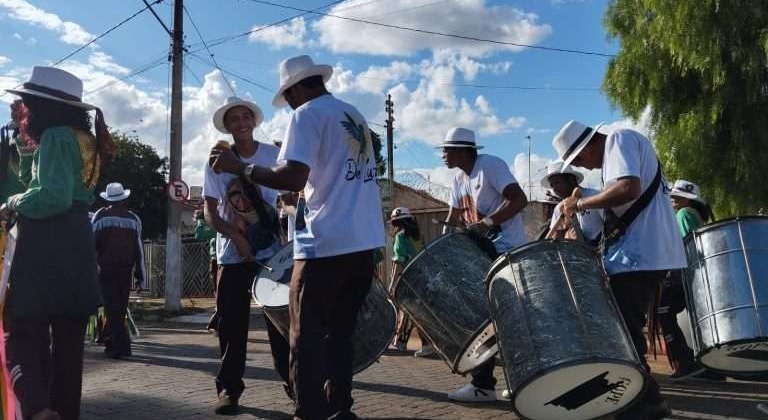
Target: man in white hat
(563, 182)
(327, 153)
(245, 220)
(120, 256)
(640, 239)
(485, 198)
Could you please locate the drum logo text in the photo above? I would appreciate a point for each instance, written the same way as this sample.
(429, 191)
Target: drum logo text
(590, 390)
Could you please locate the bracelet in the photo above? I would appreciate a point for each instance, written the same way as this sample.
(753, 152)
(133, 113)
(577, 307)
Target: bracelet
(487, 221)
(580, 205)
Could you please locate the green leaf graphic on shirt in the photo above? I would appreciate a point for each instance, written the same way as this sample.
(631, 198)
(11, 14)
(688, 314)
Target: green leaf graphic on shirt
(358, 131)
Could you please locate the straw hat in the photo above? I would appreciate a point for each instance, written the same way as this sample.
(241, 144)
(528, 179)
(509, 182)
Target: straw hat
(54, 84)
(458, 137)
(233, 101)
(572, 139)
(296, 69)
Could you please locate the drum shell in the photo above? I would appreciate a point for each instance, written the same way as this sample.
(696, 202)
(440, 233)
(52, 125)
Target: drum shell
(553, 309)
(726, 287)
(374, 330)
(442, 291)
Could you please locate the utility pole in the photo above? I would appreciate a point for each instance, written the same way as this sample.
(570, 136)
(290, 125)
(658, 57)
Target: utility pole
(389, 202)
(173, 237)
(530, 184)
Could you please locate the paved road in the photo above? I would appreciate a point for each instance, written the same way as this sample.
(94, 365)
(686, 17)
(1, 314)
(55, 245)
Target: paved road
(170, 377)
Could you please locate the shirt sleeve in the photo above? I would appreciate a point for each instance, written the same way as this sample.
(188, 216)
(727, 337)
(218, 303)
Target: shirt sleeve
(51, 191)
(400, 249)
(211, 185)
(686, 221)
(302, 139)
(499, 174)
(555, 215)
(622, 156)
(456, 193)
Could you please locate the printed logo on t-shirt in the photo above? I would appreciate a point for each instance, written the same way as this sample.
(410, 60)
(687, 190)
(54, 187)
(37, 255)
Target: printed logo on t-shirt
(360, 166)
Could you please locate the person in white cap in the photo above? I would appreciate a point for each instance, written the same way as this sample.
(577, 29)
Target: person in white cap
(640, 240)
(563, 182)
(120, 256)
(328, 153)
(53, 284)
(245, 219)
(691, 211)
(487, 199)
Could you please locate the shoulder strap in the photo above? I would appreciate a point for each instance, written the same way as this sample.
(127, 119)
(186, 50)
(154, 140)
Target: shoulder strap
(621, 224)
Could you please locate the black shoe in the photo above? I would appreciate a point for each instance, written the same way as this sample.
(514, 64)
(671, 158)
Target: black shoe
(657, 410)
(685, 371)
(644, 410)
(226, 405)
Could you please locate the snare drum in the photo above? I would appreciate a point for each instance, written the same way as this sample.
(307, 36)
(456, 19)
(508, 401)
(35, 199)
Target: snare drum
(442, 291)
(376, 321)
(726, 288)
(566, 351)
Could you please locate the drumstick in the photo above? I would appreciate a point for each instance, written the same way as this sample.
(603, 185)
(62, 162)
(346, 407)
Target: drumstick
(450, 225)
(576, 193)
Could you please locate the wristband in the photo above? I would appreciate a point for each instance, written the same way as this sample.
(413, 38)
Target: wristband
(580, 205)
(487, 221)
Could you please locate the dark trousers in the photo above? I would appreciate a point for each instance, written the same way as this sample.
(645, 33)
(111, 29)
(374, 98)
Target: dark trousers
(280, 349)
(233, 310)
(325, 296)
(672, 303)
(115, 282)
(45, 361)
(634, 292)
(482, 376)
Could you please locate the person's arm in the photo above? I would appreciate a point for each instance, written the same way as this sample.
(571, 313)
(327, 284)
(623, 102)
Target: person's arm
(139, 265)
(453, 219)
(226, 229)
(621, 192)
(290, 176)
(514, 201)
(686, 221)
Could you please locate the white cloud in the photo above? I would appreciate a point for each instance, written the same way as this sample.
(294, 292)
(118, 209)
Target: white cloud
(465, 17)
(16, 35)
(104, 62)
(278, 37)
(643, 124)
(4, 60)
(69, 32)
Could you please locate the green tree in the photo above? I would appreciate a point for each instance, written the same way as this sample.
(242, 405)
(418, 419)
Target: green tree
(381, 163)
(700, 68)
(139, 168)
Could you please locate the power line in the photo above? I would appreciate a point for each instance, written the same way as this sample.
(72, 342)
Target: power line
(146, 68)
(424, 31)
(210, 54)
(470, 85)
(232, 73)
(105, 33)
(194, 75)
(168, 31)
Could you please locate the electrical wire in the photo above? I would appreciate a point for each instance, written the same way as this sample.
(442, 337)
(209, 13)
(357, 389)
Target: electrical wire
(210, 54)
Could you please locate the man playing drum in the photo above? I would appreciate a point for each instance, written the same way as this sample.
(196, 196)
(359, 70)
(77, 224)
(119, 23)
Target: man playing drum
(640, 238)
(563, 183)
(245, 220)
(487, 199)
(327, 153)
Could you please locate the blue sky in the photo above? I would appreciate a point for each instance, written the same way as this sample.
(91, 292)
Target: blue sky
(420, 71)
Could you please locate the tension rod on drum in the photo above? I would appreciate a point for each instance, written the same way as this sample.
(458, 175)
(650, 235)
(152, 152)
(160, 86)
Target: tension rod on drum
(262, 265)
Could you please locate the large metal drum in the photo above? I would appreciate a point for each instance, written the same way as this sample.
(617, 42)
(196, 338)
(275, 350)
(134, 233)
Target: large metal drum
(566, 350)
(442, 291)
(726, 287)
(376, 321)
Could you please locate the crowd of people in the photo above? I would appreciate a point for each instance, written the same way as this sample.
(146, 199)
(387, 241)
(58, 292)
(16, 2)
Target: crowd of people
(333, 217)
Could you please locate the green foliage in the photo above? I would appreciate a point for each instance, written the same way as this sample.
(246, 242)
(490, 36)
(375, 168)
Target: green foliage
(700, 67)
(381, 163)
(140, 169)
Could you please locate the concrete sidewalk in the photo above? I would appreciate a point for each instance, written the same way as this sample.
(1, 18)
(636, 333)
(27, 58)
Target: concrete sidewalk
(171, 377)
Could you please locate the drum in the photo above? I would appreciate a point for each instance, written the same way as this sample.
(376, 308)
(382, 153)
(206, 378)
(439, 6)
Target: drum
(726, 287)
(376, 321)
(442, 291)
(566, 350)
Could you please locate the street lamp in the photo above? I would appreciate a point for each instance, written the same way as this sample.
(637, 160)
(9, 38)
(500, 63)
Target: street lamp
(530, 183)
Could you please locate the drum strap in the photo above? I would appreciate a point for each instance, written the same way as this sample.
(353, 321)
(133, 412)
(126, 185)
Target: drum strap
(615, 226)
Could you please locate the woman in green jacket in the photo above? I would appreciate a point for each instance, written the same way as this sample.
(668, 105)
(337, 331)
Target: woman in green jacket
(52, 284)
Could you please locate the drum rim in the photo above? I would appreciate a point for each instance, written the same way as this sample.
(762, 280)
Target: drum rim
(465, 346)
(373, 360)
(701, 229)
(575, 362)
(256, 277)
(709, 349)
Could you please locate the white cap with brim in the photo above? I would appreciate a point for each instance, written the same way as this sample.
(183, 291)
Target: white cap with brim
(556, 168)
(686, 189)
(232, 102)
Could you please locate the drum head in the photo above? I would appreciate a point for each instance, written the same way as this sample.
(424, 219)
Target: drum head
(481, 349)
(271, 286)
(579, 392)
(749, 357)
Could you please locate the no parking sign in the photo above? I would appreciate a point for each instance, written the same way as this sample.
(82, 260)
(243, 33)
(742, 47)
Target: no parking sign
(178, 190)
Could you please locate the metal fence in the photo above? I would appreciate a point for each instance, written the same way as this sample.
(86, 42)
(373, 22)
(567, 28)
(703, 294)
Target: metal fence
(195, 263)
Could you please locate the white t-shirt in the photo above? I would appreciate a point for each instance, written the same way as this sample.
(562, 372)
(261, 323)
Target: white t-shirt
(481, 192)
(590, 221)
(216, 186)
(343, 208)
(652, 241)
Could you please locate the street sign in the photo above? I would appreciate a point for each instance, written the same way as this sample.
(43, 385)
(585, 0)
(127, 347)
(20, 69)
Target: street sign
(178, 190)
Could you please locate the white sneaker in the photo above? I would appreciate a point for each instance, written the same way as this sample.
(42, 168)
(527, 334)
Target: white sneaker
(506, 394)
(425, 351)
(470, 393)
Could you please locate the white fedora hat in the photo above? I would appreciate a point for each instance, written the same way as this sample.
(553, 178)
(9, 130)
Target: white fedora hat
(296, 69)
(460, 138)
(572, 139)
(556, 168)
(233, 101)
(56, 85)
(686, 189)
(115, 192)
(400, 213)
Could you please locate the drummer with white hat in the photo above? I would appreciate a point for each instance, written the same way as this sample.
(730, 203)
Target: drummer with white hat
(640, 239)
(487, 199)
(563, 182)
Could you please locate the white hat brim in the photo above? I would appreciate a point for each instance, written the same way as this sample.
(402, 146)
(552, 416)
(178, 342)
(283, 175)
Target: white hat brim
(690, 196)
(83, 105)
(121, 197)
(218, 116)
(458, 146)
(545, 181)
(278, 101)
(567, 162)
(401, 217)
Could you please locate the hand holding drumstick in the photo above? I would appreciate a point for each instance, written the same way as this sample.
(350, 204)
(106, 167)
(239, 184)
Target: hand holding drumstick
(567, 214)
